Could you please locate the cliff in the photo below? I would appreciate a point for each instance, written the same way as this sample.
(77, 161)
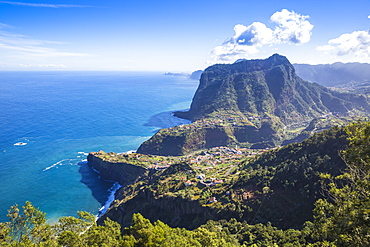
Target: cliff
(124, 173)
(175, 211)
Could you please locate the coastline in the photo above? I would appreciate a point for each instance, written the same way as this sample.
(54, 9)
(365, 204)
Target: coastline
(112, 196)
(161, 120)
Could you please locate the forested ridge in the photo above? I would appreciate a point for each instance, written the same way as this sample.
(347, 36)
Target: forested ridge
(338, 187)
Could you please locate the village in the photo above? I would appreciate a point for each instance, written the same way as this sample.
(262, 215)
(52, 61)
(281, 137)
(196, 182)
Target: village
(204, 160)
(219, 121)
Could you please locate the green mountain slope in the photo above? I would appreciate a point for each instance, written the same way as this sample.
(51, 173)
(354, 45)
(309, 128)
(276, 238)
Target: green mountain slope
(279, 186)
(258, 103)
(266, 87)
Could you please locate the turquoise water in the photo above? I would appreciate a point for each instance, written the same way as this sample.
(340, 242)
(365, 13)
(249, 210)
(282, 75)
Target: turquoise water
(62, 116)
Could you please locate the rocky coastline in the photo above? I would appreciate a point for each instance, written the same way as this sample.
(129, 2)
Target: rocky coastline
(122, 173)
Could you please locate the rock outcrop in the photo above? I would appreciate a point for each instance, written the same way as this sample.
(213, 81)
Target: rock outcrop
(123, 173)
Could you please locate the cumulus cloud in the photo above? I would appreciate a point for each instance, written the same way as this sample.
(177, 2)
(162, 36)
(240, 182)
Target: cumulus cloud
(256, 34)
(355, 44)
(290, 28)
(45, 5)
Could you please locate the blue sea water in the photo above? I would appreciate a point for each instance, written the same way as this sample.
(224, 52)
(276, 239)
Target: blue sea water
(62, 116)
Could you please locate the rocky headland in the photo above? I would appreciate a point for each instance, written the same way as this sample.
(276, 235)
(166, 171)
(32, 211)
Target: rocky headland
(110, 169)
(254, 103)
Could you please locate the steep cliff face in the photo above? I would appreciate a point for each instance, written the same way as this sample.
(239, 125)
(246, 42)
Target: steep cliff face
(120, 172)
(174, 211)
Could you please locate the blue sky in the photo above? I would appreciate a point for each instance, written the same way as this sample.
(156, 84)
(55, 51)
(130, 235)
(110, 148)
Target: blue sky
(178, 36)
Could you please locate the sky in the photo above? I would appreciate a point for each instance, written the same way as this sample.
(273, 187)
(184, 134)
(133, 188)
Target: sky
(178, 36)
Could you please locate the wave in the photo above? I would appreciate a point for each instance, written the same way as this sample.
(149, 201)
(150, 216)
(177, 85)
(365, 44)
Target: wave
(112, 191)
(83, 153)
(70, 162)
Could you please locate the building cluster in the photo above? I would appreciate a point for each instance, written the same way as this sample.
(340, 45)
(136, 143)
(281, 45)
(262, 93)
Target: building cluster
(217, 155)
(208, 182)
(218, 121)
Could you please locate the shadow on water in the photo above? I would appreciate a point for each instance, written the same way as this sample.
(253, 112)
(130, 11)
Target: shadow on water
(165, 120)
(99, 187)
(103, 190)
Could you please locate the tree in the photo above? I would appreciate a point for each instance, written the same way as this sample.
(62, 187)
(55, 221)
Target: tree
(28, 226)
(78, 225)
(344, 219)
(104, 236)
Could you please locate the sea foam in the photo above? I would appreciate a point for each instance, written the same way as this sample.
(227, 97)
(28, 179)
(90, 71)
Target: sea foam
(112, 191)
(60, 163)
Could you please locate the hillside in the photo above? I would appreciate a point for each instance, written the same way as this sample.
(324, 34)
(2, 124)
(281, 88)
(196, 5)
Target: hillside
(279, 186)
(219, 196)
(254, 103)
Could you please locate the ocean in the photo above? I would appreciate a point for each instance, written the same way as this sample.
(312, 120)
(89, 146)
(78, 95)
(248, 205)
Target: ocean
(57, 118)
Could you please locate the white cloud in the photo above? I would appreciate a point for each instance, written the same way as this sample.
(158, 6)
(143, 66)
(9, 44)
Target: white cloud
(42, 66)
(17, 45)
(256, 34)
(355, 44)
(229, 52)
(2, 25)
(291, 28)
(45, 5)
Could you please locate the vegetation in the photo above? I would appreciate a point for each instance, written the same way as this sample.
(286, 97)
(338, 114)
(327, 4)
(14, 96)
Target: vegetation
(135, 159)
(259, 186)
(340, 217)
(258, 104)
(344, 217)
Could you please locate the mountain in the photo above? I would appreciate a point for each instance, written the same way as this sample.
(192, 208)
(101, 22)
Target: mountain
(196, 75)
(255, 103)
(336, 74)
(266, 87)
